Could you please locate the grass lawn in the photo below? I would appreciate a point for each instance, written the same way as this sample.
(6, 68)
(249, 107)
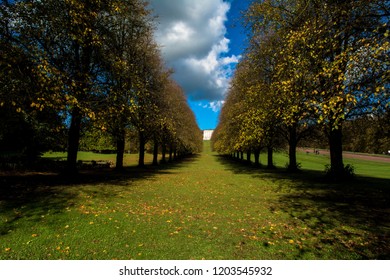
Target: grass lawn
(313, 162)
(204, 207)
(128, 160)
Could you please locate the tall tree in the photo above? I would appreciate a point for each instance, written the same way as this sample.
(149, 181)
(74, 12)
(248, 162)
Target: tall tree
(62, 40)
(318, 70)
(126, 30)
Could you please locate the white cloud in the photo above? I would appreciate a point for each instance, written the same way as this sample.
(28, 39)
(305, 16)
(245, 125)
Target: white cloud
(179, 31)
(192, 36)
(215, 106)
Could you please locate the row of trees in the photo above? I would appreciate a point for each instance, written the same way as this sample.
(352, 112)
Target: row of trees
(368, 134)
(67, 65)
(365, 134)
(309, 64)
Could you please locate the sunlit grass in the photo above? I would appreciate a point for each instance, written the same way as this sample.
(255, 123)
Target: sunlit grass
(315, 162)
(129, 159)
(206, 207)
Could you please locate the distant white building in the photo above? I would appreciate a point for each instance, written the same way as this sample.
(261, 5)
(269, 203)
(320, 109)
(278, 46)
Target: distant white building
(207, 134)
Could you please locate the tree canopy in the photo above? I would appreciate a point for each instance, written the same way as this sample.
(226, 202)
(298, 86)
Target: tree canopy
(88, 64)
(308, 64)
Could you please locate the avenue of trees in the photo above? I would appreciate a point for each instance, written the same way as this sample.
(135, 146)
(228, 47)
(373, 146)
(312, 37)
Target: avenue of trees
(70, 68)
(312, 69)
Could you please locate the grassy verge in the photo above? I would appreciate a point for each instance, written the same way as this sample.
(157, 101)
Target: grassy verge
(128, 160)
(313, 162)
(205, 207)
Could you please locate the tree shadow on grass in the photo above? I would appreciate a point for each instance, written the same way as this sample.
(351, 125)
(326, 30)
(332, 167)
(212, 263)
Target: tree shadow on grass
(33, 194)
(353, 214)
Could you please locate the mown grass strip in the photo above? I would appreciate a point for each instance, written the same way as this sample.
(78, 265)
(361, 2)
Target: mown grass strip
(206, 207)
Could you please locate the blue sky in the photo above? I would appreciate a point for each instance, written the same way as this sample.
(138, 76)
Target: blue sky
(202, 41)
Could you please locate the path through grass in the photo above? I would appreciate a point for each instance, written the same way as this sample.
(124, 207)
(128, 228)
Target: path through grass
(206, 207)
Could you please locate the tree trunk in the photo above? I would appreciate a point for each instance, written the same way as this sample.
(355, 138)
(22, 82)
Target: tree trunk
(270, 157)
(164, 153)
(155, 153)
(141, 160)
(81, 65)
(73, 141)
(120, 150)
(292, 151)
(248, 156)
(171, 153)
(336, 152)
(257, 157)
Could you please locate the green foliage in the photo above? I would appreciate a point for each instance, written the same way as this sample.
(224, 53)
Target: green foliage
(91, 62)
(307, 63)
(96, 140)
(367, 134)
